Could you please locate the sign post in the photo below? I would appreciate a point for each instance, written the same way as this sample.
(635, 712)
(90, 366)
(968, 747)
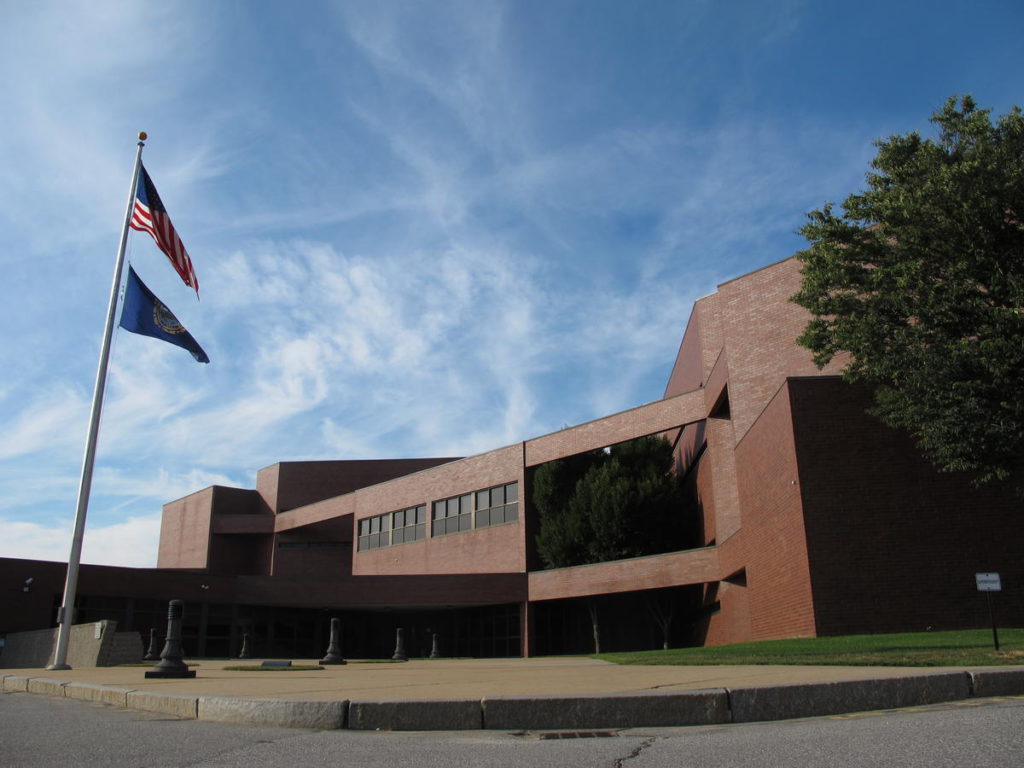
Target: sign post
(989, 583)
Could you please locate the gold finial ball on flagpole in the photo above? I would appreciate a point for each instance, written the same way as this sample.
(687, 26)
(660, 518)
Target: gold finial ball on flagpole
(143, 135)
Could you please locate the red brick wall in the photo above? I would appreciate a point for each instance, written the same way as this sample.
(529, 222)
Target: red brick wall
(893, 543)
(653, 572)
(688, 370)
(775, 550)
(648, 419)
(185, 531)
(291, 484)
(712, 332)
(239, 553)
(499, 549)
(322, 551)
(424, 591)
(760, 326)
(721, 460)
(706, 499)
(236, 501)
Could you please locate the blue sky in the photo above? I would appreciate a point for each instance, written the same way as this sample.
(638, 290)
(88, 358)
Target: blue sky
(420, 228)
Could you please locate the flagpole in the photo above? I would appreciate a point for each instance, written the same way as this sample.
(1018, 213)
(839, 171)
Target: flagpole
(65, 616)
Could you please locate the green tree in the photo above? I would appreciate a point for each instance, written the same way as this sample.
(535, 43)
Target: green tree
(921, 280)
(601, 506)
(562, 538)
(609, 505)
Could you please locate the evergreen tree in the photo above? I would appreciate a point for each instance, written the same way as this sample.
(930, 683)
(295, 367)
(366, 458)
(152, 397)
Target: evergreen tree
(609, 505)
(920, 279)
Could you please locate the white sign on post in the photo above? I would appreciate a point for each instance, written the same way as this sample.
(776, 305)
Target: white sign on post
(988, 582)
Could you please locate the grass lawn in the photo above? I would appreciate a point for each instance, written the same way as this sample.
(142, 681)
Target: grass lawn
(921, 649)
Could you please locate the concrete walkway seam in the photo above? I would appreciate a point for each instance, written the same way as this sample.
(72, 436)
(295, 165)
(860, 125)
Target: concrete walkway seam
(996, 682)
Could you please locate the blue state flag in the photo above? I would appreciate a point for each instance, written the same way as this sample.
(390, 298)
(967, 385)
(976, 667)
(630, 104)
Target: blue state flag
(144, 313)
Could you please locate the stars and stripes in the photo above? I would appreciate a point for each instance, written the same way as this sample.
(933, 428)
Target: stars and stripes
(149, 215)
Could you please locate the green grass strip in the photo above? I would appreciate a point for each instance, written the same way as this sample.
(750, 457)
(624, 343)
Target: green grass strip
(972, 648)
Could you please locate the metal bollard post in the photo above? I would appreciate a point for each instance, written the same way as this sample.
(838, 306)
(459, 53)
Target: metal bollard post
(171, 664)
(400, 646)
(244, 653)
(333, 655)
(152, 653)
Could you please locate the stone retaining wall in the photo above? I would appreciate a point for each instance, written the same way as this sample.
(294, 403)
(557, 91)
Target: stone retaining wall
(96, 644)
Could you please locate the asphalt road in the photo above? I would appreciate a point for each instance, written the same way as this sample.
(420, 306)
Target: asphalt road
(982, 733)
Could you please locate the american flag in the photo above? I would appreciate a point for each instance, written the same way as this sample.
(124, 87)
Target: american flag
(149, 215)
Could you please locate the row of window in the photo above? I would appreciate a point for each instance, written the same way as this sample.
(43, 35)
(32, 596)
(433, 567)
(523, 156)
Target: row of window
(492, 506)
(393, 528)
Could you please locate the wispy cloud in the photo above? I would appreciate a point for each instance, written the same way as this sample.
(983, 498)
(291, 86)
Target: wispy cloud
(51, 422)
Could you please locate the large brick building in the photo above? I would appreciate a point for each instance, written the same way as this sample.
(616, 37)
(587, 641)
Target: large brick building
(813, 519)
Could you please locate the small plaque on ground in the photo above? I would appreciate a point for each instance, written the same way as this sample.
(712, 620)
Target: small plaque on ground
(275, 663)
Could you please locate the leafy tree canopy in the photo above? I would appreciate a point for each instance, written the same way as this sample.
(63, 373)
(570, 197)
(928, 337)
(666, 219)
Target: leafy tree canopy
(921, 280)
(601, 506)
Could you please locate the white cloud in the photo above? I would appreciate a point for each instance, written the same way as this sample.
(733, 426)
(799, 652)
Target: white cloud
(55, 419)
(133, 542)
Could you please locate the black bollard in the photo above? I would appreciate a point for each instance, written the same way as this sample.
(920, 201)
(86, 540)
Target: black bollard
(244, 653)
(153, 652)
(400, 646)
(333, 655)
(435, 651)
(171, 664)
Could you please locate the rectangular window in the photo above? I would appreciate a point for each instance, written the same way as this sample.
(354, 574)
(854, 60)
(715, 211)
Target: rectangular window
(393, 528)
(497, 505)
(409, 524)
(452, 515)
(492, 506)
(373, 532)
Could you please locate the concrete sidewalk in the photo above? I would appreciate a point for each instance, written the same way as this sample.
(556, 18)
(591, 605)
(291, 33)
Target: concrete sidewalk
(545, 693)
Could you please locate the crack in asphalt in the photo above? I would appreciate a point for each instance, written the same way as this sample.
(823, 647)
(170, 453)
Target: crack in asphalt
(636, 752)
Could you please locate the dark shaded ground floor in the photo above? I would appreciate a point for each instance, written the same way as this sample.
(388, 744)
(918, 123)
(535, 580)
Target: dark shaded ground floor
(632, 621)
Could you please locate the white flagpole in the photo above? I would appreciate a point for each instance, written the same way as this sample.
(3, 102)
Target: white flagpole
(66, 617)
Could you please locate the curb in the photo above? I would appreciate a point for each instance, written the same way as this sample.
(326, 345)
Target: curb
(717, 706)
(656, 709)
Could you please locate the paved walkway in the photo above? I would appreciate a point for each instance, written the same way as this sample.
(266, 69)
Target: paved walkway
(565, 693)
(459, 678)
